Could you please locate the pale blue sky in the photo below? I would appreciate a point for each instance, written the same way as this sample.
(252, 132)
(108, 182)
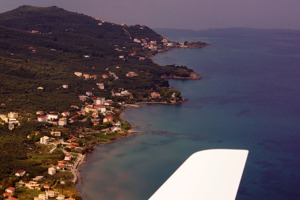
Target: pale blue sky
(183, 14)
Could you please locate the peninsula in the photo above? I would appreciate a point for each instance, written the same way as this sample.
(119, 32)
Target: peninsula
(65, 80)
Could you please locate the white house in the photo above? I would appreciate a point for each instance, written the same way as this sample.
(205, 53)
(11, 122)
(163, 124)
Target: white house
(65, 114)
(136, 40)
(42, 118)
(44, 140)
(100, 86)
(39, 112)
(100, 108)
(13, 115)
(125, 93)
(99, 101)
(60, 197)
(20, 173)
(38, 178)
(42, 197)
(56, 133)
(86, 76)
(118, 124)
(89, 93)
(79, 74)
(52, 116)
(51, 171)
(32, 185)
(115, 129)
(68, 157)
(83, 97)
(10, 190)
(50, 193)
(4, 118)
(62, 121)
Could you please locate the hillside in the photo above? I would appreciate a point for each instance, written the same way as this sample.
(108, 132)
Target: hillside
(65, 79)
(43, 47)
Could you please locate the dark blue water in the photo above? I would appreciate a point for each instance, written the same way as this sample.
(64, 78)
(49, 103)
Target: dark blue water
(249, 98)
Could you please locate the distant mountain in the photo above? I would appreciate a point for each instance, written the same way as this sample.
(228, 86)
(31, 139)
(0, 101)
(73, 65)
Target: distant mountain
(68, 31)
(54, 19)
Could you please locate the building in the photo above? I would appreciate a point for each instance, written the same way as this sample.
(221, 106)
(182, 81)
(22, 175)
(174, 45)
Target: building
(125, 93)
(50, 194)
(100, 108)
(47, 187)
(68, 157)
(155, 95)
(45, 140)
(79, 74)
(4, 118)
(100, 86)
(86, 76)
(32, 185)
(89, 93)
(65, 86)
(20, 173)
(10, 190)
(94, 76)
(56, 133)
(52, 117)
(104, 76)
(136, 40)
(118, 124)
(13, 115)
(115, 129)
(42, 118)
(62, 121)
(65, 114)
(38, 178)
(131, 74)
(108, 119)
(40, 112)
(60, 197)
(108, 102)
(51, 171)
(42, 197)
(83, 97)
(99, 101)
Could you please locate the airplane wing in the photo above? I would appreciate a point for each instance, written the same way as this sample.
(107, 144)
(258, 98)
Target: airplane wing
(206, 175)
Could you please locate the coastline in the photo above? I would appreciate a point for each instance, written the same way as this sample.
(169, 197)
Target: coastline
(131, 131)
(76, 170)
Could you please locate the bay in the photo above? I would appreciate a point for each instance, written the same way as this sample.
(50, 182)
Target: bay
(249, 98)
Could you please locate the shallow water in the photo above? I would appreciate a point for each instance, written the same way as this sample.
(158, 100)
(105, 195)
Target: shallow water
(249, 98)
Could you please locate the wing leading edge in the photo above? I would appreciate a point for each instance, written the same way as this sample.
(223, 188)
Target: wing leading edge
(206, 175)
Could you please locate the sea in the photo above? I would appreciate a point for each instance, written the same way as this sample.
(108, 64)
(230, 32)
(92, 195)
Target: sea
(248, 98)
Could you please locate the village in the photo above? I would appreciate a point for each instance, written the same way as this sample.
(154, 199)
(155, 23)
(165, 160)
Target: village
(95, 120)
(69, 135)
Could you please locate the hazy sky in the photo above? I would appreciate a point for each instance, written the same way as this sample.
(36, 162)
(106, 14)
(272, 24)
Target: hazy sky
(184, 14)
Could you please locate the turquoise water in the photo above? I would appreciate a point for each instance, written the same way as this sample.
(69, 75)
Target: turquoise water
(249, 98)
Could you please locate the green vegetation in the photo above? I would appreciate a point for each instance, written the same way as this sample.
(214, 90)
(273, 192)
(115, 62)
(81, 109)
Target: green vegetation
(40, 49)
(49, 58)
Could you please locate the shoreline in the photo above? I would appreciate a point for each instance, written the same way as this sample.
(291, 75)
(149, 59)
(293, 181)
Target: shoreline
(131, 131)
(78, 180)
(76, 171)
